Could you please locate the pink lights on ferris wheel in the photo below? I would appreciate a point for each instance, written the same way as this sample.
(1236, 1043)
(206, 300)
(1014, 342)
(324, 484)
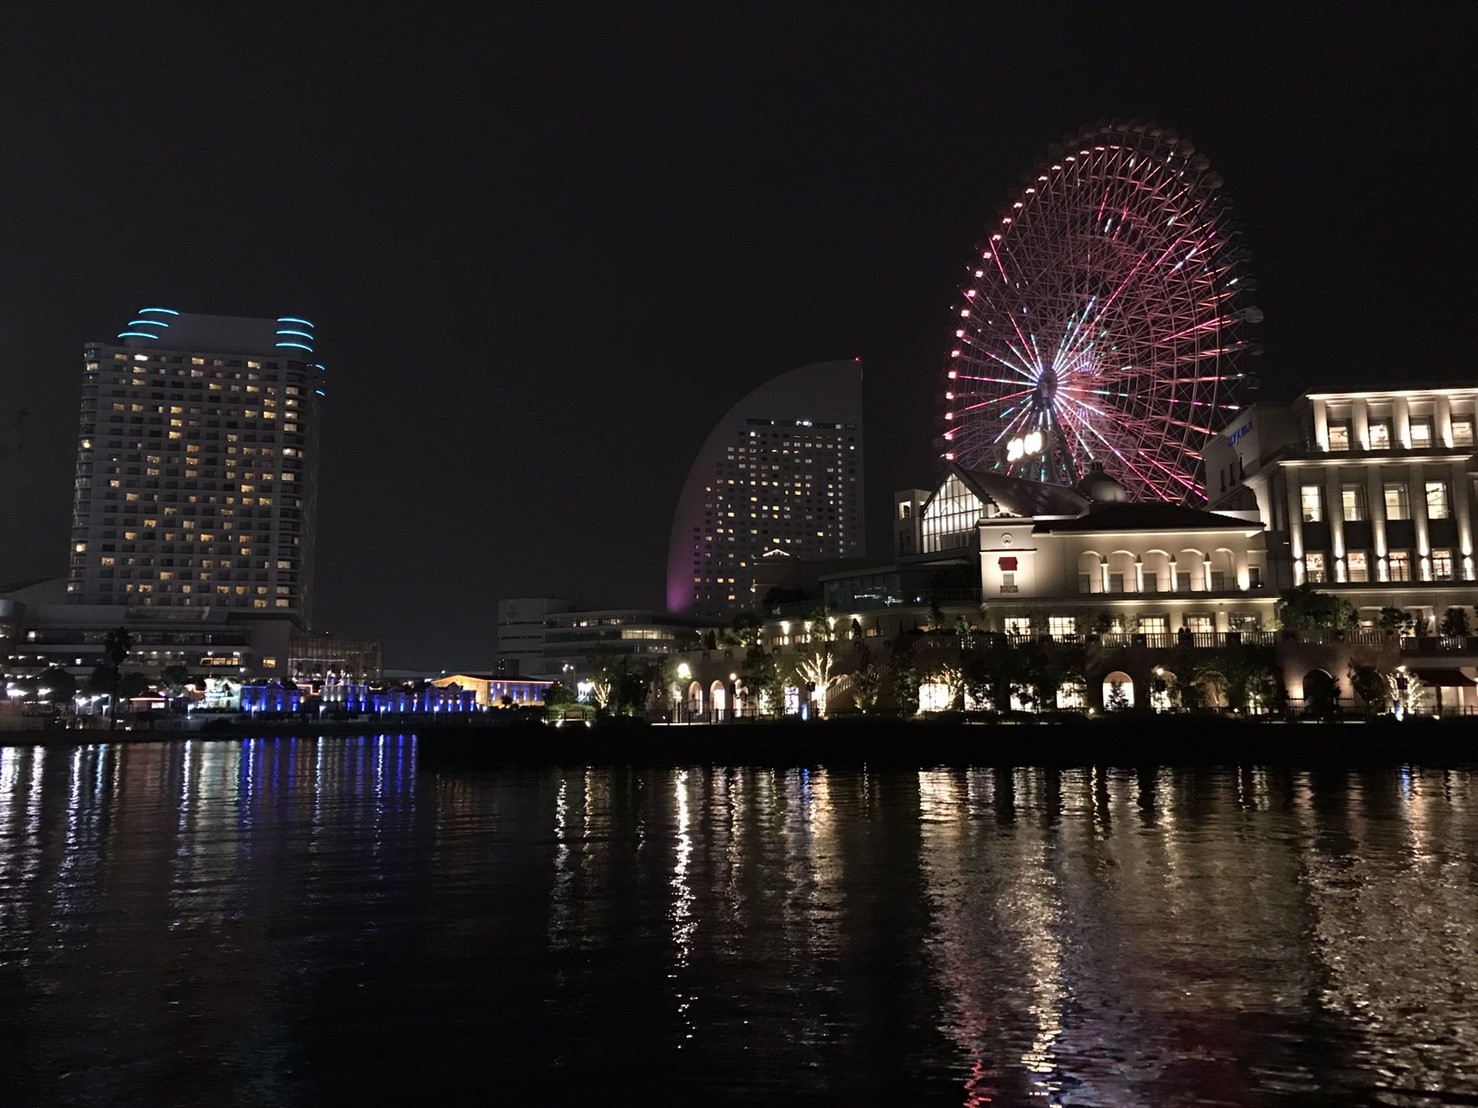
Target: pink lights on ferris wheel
(1108, 322)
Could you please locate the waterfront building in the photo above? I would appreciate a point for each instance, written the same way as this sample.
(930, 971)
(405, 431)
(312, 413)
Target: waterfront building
(548, 639)
(197, 466)
(320, 659)
(1133, 590)
(1370, 494)
(781, 470)
(41, 628)
(493, 691)
(522, 623)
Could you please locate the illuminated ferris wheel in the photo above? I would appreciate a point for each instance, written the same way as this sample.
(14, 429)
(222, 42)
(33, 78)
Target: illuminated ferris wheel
(1102, 319)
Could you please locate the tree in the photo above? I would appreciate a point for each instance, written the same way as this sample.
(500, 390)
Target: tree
(867, 683)
(1304, 608)
(1375, 688)
(952, 676)
(62, 685)
(992, 671)
(815, 669)
(116, 645)
(1118, 699)
(1454, 623)
(174, 680)
(629, 687)
(602, 689)
(821, 623)
(749, 628)
(903, 678)
(1398, 620)
(765, 678)
(1037, 675)
(558, 694)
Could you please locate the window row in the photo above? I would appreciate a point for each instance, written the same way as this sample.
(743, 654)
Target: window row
(1357, 565)
(1419, 433)
(1354, 503)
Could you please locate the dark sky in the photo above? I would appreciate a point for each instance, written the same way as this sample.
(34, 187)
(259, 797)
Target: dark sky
(548, 245)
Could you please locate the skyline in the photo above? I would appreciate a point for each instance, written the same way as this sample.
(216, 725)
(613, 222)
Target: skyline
(538, 286)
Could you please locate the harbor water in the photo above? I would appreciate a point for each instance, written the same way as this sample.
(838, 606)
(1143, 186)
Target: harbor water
(310, 920)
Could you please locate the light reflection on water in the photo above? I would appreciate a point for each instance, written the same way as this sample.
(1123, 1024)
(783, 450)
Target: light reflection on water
(283, 921)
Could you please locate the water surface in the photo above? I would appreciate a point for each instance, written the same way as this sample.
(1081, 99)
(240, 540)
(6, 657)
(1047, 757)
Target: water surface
(283, 922)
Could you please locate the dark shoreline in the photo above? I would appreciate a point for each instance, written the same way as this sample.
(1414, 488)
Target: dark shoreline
(1170, 740)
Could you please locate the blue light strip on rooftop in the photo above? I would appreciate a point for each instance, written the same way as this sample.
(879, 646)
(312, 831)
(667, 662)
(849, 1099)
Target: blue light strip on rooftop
(304, 334)
(294, 319)
(166, 311)
(147, 323)
(136, 335)
(294, 345)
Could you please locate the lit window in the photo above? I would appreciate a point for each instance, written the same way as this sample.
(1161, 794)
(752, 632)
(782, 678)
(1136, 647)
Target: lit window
(1314, 569)
(1339, 436)
(1462, 432)
(1398, 505)
(1358, 565)
(1352, 502)
(1312, 499)
(1421, 434)
(1380, 435)
(1439, 500)
(1399, 562)
(1441, 564)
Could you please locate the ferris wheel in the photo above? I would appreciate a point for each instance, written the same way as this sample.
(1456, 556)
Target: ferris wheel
(1102, 319)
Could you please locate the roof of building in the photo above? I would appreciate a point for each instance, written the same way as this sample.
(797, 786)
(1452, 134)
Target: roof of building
(1021, 497)
(1146, 517)
(1448, 678)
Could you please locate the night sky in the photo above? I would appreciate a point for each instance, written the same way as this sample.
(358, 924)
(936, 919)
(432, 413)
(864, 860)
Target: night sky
(546, 246)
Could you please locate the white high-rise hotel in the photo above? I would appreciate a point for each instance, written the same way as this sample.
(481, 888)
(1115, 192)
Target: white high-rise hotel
(197, 466)
(782, 471)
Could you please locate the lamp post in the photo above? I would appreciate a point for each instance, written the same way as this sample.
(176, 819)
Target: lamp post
(684, 675)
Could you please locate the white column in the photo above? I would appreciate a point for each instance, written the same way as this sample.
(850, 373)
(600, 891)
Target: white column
(1321, 424)
(1401, 422)
(1416, 483)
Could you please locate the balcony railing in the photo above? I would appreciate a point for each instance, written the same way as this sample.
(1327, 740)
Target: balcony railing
(1168, 640)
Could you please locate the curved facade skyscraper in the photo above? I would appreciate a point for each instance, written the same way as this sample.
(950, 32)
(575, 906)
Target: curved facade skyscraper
(782, 470)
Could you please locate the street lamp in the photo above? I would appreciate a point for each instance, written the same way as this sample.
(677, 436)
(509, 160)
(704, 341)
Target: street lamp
(684, 675)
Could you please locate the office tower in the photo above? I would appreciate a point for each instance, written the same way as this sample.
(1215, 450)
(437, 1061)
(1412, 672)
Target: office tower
(197, 466)
(782, 471)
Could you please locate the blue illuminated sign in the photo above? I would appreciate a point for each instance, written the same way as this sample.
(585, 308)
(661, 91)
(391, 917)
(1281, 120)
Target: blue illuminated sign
(1236, 436)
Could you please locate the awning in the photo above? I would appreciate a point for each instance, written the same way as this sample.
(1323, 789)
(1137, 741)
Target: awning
(1445, 678)
(1008, 563)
